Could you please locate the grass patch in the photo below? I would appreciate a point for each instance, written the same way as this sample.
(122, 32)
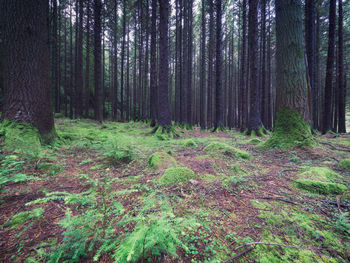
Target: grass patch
(190, 143)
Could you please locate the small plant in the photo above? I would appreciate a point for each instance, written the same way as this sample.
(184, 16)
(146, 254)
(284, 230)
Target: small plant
(342, 223)
(190, 143)
(232, 182)
(158, 231)
(119, 155)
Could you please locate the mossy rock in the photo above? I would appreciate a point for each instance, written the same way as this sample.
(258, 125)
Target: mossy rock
(290, 131)
(227, 149)
(190, 143)
(323, 174)
(320, 187)
(345, 164)
(161, 160)
(176, 175)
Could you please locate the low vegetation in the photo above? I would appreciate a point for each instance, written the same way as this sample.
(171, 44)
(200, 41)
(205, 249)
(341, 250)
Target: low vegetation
(116, 192)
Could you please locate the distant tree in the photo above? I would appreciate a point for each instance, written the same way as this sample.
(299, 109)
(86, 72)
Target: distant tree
(202, 69)
(153, 77)
(218, 94)
(79, 62)
(341, 79)
(27, 66)
(292, 126)
(243, 73)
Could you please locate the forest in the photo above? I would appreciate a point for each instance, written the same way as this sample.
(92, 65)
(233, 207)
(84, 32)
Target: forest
(174, 131)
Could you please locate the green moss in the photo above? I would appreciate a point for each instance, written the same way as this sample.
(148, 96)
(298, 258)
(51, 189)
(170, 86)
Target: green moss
(290, 130)
(323, 174)
(320, 187)
(254, 140)
(190, 143)
(345, 164)
(227, 149)
(164, 133)
(176, 175)
(161, 160)
(208, 177)
(20, 137)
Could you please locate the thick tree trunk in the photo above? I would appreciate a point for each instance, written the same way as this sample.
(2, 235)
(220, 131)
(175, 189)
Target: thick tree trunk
(327, 113)
(254, 124)
(26, 65)
(292, 125)
(163, 115)
(97, 59)
(310, 51)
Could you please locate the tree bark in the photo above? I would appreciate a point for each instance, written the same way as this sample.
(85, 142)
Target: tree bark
(254, 123)
(341, 86)
(97, 60)
(292, 125)
(327, 113)
(163, 115)
(26, 65)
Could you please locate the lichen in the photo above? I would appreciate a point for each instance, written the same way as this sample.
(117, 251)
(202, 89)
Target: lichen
(190, 143)
(319, 187)
(290, 131)
(176, 175)
(227, 149)
(345, 164)
(161, 160)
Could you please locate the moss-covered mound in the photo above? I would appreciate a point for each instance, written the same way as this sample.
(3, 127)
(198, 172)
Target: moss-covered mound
(161, 160)
(254, 141)
(190, 143)
(290, 130)
(176, 175)
(320, 180)
(345, 164)
(324, 174)
(227, 149)
(319, 187)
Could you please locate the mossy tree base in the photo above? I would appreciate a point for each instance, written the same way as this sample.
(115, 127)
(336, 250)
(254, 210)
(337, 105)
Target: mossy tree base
(290, 131)
(259, 132)
(165, 132)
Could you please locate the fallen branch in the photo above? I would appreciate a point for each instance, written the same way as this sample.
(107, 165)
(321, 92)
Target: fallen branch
(232, 259)
(335, 148)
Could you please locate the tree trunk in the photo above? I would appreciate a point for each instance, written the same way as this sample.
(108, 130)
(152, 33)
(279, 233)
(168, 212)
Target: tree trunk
(202, 69)
(327, 113)
(218, 94)
(97, 59)
(292, 125)
(163, 115)
(26, 65)
(341, 86)
(153, 77)
(254, 124)
(210, 64)
(87, 65)
(243, 84)
(79, 66)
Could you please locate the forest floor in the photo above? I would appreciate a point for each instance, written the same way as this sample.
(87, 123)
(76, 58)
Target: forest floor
(96, 195)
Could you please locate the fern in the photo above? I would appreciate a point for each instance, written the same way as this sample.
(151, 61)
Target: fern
(157, 232)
